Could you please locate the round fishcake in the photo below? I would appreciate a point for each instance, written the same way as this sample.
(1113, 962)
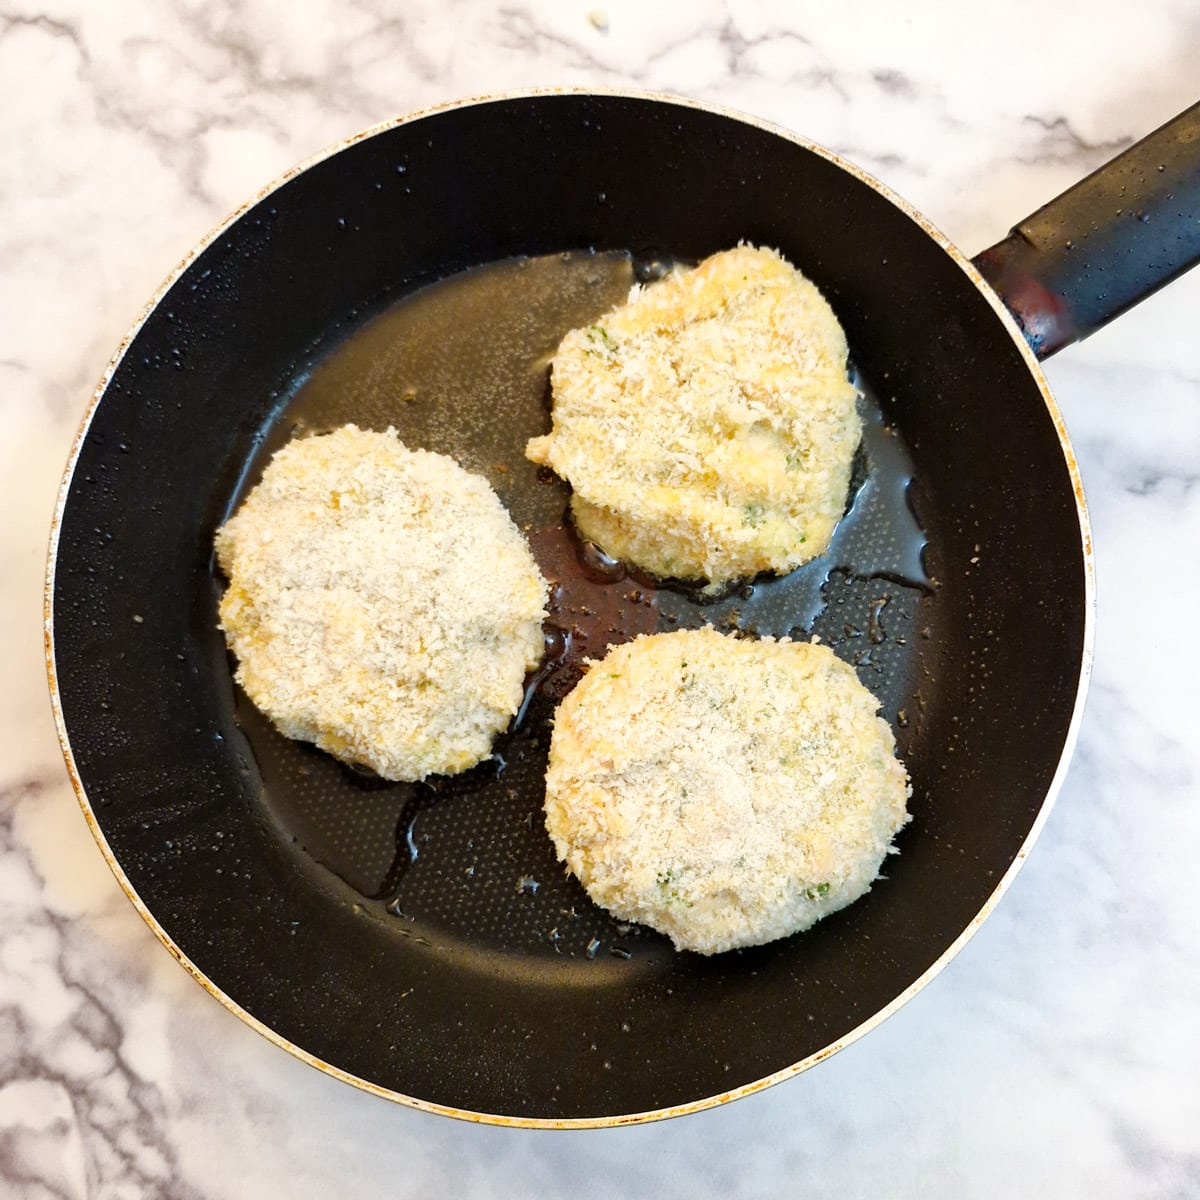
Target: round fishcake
(707, 426)
(724, 791)
(381, 603)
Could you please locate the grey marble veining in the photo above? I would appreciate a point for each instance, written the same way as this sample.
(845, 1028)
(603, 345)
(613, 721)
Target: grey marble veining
(1058, 1055)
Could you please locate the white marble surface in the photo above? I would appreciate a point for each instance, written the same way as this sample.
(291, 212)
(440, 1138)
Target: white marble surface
(1059, 1055)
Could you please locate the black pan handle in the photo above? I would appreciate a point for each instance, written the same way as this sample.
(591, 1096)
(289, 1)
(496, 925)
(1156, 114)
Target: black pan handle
(1106, 243)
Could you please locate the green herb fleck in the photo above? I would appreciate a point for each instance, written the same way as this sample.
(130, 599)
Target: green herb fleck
(598, 334)
(665, 879)
(753, 515)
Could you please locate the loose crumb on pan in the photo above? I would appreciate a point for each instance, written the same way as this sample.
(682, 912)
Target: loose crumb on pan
(707, 426)
(381, 603)
(723, 791)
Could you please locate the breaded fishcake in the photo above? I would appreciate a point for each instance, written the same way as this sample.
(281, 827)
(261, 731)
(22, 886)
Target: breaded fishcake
(381, 603)
(724, 791)
(707, 426)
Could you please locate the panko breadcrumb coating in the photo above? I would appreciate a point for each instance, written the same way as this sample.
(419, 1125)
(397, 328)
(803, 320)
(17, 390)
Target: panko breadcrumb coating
(381, 603)
(725, 792)
(707, 426)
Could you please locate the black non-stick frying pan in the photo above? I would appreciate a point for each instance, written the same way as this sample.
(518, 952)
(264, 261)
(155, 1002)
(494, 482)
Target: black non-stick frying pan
(421, 940)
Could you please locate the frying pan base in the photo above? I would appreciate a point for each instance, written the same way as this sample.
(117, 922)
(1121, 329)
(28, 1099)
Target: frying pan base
(466, 859)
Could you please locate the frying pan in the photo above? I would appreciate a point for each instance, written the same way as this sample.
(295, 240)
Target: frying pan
(420, 941)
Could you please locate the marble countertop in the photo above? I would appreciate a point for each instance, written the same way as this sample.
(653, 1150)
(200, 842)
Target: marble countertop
(1059, 1054)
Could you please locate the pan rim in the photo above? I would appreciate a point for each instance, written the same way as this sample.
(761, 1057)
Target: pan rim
(877, 1018)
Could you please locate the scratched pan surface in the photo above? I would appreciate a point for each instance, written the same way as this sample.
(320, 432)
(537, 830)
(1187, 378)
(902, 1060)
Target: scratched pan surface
(421, 940)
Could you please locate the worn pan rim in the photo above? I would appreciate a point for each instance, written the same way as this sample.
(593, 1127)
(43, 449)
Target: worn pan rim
(877, 1018)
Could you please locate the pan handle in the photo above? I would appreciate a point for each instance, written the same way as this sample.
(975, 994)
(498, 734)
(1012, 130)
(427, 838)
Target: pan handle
(1106, 243)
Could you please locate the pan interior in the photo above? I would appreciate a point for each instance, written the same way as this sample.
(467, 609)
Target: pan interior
(281, 876)
(462, 367)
